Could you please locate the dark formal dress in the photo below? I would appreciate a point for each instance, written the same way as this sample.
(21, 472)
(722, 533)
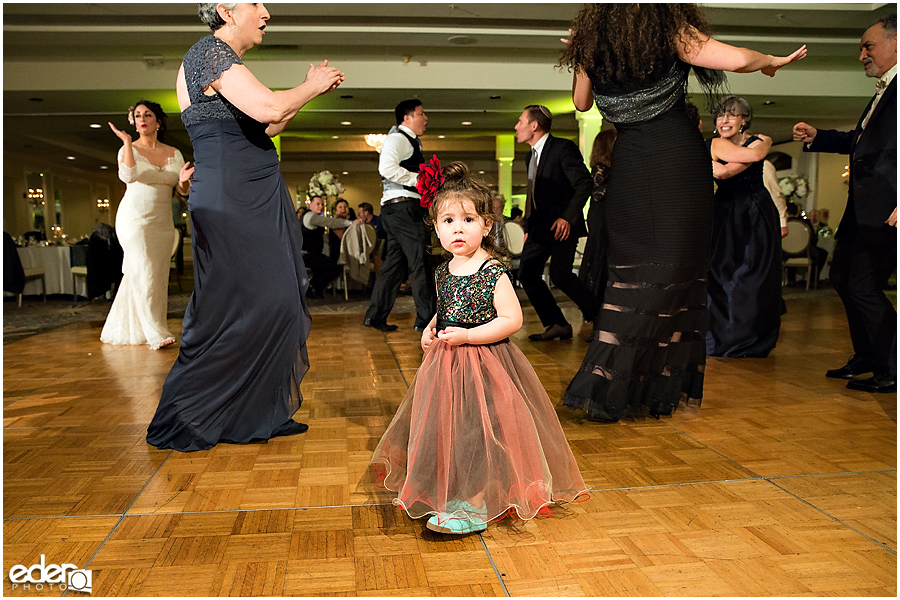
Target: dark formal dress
(744, 267)
(648, 351)
(483, 421)
(243, 346)
(593, 263)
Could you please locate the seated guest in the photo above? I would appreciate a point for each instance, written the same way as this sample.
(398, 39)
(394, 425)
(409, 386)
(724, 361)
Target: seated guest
(498, 202)
(516, 216)
(367, 214)
(342, 210)
(324, 268)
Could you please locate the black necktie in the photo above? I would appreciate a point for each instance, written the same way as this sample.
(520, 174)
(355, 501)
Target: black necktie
(529, 194)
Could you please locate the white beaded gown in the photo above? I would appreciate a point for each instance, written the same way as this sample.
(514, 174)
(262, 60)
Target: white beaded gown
(145, 228)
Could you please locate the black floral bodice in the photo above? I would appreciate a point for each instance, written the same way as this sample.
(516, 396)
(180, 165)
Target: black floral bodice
(467, 298)
(204, 63)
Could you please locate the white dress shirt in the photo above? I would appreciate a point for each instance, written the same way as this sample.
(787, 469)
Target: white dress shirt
(395, 150)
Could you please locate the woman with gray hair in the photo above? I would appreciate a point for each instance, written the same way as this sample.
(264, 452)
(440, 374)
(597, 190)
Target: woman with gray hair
(243, 345)
(744, 281)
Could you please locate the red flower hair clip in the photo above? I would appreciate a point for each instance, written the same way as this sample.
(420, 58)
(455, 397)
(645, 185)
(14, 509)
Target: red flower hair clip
(431, 178)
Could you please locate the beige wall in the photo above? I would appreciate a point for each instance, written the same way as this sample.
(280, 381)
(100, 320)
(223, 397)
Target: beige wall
(77, 190)
(829, 189)
(832, 188)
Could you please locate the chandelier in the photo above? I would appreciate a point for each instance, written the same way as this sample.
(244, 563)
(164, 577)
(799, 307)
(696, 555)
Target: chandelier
(376, 140)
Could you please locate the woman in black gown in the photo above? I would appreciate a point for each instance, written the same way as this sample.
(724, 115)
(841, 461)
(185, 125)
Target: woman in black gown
(649, 349)
(243, 347)
(745, 259)
(593, 265)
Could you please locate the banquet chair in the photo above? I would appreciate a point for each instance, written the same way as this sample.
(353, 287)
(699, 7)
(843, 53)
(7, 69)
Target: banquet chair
(368, 266)
(14, 276)
(177, 241)
(33, 275)
(515, 241)
(579, 254)
(797, 247)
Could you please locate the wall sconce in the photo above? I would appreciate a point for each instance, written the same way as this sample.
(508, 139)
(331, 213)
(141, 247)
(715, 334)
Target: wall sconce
(102, 204)
(376, 140)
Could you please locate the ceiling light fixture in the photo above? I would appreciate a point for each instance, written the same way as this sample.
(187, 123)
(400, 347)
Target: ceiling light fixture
(70, 157)
(376, 140)
(103, 167)
(345, 172)
(346, 123)
(334, 137)
(440, 137)
(95, 125)
(466, 123)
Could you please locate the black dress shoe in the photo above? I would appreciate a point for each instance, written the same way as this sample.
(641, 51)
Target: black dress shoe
(877, 384)
(553, 332)
(379, 325)
(857, 365)
(419, 326)
(290, 428)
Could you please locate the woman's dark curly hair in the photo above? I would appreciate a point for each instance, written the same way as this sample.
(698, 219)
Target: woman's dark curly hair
(630, 44)
(459, 185)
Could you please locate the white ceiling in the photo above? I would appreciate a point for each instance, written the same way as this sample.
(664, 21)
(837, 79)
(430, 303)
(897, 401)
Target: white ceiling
(69, 65)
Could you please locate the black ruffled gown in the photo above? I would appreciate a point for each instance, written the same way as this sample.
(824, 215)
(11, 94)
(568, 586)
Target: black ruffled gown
(744, 268)
(243, 347)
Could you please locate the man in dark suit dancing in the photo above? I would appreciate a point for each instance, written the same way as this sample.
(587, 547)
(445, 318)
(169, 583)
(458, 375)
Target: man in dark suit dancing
(866, 251)
(559, 184)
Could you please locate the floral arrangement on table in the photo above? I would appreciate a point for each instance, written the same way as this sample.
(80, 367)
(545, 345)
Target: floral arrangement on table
(324, 184)
(794, 187)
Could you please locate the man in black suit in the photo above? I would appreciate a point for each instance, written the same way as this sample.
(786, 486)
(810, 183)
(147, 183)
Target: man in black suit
(866, 251)
(559, 184)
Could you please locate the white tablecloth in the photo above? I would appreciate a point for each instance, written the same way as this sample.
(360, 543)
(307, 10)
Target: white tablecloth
(55, 262)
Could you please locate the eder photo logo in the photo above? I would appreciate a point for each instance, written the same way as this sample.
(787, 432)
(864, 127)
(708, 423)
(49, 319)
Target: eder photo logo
(54, 577)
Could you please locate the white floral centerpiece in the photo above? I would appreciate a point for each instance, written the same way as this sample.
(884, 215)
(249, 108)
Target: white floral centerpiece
(324, 184)
(794, 187)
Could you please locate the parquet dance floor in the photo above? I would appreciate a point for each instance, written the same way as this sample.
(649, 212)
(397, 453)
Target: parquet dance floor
(784, 483)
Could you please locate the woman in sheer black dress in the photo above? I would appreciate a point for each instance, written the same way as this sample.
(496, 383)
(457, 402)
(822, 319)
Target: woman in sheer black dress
(648, 351)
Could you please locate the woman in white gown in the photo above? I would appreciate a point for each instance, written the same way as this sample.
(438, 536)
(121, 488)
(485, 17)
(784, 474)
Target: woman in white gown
(145, 228)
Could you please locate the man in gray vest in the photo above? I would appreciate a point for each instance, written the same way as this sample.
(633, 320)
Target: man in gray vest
(403, 221)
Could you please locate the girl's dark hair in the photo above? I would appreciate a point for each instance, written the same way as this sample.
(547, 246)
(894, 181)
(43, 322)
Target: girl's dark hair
(160, 114)
(631, 44)
(458, 184)
(601, 152)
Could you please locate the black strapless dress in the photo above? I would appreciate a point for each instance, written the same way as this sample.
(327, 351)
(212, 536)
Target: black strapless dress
(243, 347)
(744, 268)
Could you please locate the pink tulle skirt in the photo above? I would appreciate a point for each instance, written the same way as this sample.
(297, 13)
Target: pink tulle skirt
(476, 424)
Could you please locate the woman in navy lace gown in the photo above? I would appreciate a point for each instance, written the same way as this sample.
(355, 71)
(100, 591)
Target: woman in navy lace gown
(243, 346)
(649, 349)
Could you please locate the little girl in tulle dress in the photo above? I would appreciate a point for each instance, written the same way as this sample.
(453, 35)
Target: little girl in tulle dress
(476, 436)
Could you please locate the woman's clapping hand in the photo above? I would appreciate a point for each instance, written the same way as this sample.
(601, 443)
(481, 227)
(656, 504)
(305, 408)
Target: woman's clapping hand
(324, 78)
(125, 137)
(184, 175)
